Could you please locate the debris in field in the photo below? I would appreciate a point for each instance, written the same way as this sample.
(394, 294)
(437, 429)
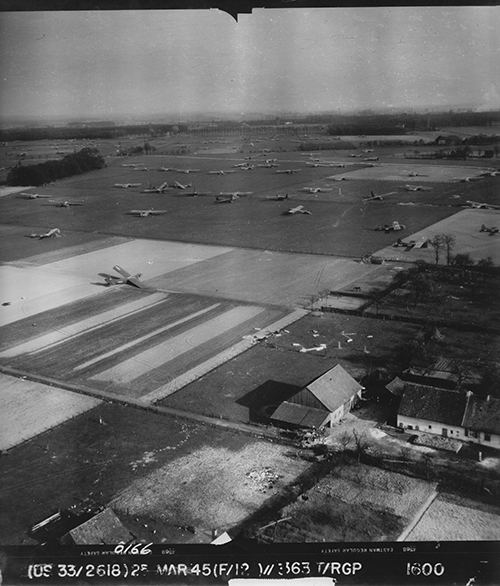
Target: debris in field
(315, 349)
(264, 478)
(369, 336)
(365, 350)
(6, 303)
(339, 347)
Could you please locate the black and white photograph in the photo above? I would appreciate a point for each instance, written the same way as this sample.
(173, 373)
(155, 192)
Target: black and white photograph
(249, 283)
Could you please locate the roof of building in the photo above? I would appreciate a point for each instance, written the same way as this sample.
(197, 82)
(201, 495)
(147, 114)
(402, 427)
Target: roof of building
(482, 414)
(334, 388)
(105, 527)
(433, 404)
(299, 415)
(396, 386)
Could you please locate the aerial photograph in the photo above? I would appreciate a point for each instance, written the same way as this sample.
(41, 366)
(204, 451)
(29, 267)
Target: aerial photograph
(249, 276)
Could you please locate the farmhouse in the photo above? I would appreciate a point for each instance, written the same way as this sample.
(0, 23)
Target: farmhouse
(322, 403)
(449, 413)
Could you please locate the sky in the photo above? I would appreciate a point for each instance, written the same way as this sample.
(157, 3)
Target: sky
(106, 64)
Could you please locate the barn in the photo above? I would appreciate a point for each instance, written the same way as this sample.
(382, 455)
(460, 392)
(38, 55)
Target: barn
(322, 403)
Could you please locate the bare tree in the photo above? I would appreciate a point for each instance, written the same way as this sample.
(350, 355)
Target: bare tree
(361, 443)
(438, 245)
(449, 244)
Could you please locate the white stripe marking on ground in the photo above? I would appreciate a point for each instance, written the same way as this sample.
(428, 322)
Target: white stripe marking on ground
(50, 339)
(201, 369)
(145, 337)
(136, 366)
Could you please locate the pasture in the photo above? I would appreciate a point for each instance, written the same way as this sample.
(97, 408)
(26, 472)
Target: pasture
(30, 408)
(453, 518)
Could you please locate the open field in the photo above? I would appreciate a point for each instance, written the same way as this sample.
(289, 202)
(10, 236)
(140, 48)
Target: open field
(275, 369)
(353, 503)
(424, 173)
(217, 276)
(29, 408)
(452, 518)
(101, 453)
(213, 488)
(170, 334)
(252, 221)
(465, 227)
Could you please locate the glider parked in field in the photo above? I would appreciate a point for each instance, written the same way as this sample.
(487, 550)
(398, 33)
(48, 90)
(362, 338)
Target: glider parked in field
(222, 171)
(279, 197)
(160, 189)
(297, 210)
(125, 278)
(32, 196)
(373, 197)
(127, 185)
(288, 171)
(146, 213)
(394, 227)
(479, 205)
(66, 203)
(186, 171)
(236, 193)
(491, 231)
(179, 185)
(417, 188)
(52, 233)
(315, 189)
(226, 198)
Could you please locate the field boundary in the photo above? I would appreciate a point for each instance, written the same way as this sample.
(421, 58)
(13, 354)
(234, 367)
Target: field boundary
(205, 367)
(264, 433)
(420, 513)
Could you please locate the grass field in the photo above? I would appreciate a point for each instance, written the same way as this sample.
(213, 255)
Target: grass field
(222, 273)
(453, 518)
(29, 408)
(212, 488)
(251, 221)
(465, 227)
(131, 344)
(102, 452)
(353, 503)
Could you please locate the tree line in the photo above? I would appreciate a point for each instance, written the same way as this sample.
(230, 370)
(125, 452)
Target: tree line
(90, 133)
(77, 163)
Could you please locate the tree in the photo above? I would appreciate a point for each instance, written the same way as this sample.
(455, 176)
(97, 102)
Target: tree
(437, 244)
(361, 443)
(449, 244)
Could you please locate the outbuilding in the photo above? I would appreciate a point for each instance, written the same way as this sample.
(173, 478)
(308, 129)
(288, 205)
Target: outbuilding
(322, 403)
